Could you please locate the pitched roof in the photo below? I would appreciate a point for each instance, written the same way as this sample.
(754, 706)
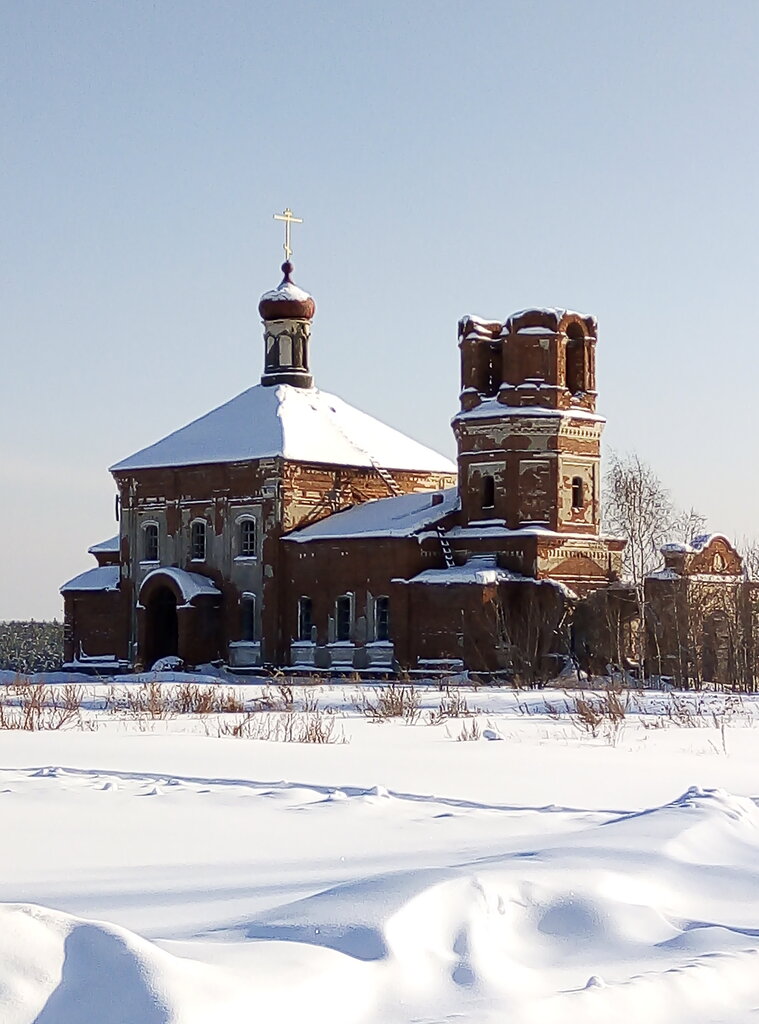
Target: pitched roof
(111, 545)
(384, 517)
(104, 577)
(301, 424)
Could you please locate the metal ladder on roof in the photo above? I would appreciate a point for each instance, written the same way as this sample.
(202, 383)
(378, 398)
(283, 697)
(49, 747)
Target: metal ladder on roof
(395, 489)
(445, 544)
(392, 485)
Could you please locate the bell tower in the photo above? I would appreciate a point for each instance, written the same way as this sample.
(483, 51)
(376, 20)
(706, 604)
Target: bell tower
(528, 433)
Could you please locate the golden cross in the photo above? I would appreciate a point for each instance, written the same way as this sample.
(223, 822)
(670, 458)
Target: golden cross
(287, 217)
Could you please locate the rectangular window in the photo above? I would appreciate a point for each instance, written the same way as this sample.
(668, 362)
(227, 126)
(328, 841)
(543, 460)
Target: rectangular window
(343, 618)
(382, 618)
(305, 618)
(248, 538)
(578, 493)
(150, 537)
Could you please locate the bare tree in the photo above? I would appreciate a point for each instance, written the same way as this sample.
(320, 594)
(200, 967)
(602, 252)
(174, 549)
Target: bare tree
(748, 549)
(638, 507)
(686, 526)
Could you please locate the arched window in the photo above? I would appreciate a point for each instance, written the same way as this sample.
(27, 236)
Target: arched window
(247, 540)
(150, 542)
(488, 493)
(305, 618)
(576, 375)
(198, 541)
(248, 617)
(578, 492)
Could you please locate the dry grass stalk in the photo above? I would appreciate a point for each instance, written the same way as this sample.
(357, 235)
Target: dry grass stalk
(469, 731)
(454, 705)
(284, 727)
(392, 701)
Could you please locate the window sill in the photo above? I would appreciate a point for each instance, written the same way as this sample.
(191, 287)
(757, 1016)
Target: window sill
(150, 564)
(245, 558)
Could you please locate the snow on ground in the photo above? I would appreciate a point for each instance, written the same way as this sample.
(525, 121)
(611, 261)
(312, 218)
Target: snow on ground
(155, 872)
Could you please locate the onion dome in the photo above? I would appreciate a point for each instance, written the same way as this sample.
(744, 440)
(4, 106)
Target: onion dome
(288, 301)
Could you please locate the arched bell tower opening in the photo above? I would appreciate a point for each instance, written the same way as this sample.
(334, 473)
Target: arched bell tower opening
(576, 360)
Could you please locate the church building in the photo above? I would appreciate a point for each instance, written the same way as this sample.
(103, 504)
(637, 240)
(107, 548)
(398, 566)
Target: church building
(288, 529)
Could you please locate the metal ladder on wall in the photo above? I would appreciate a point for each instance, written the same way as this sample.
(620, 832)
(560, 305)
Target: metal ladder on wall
(445, 544)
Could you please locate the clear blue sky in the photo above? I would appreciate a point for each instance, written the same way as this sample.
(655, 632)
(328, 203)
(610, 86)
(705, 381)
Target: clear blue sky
(447, 158)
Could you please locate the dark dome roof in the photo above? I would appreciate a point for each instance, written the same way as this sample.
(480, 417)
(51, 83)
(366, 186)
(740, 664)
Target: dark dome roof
(287, 302)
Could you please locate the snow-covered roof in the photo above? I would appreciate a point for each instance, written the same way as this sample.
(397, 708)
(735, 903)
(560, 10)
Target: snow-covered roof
(483, 570)
(111, 545)
(301, 424)
(385, 517)
(286, 292)
(191, 584)
(550, 312)
(496, 529)
(703, 540)
(479, 569)
(492, 408)
(104, 577)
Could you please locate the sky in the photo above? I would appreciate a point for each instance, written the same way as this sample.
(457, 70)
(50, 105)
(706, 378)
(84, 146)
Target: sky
(447, 158)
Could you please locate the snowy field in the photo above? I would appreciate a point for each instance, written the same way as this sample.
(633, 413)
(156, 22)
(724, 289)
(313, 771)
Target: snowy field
(492, 856)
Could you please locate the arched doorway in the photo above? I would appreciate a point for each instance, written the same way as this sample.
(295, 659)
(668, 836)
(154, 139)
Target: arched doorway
(161, 626)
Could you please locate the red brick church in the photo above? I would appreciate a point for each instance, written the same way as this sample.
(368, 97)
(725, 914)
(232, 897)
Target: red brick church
(287, 528)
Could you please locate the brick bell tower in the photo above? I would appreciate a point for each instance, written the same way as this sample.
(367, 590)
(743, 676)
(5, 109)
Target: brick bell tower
(529, 439)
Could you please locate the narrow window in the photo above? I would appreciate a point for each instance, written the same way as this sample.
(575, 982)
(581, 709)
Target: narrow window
(382, 618)
(343, 616)
(488, 492)
(150, 543)
(578, 495)
(494, 369)
(248, 538)
(305, 618)
(198, 542)
(248, 617)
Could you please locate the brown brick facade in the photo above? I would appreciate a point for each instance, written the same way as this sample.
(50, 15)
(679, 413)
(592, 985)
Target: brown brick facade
(325, 565)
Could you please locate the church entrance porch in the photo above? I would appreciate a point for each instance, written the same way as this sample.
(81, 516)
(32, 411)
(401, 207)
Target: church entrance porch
(178, 615)
(161, 626)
